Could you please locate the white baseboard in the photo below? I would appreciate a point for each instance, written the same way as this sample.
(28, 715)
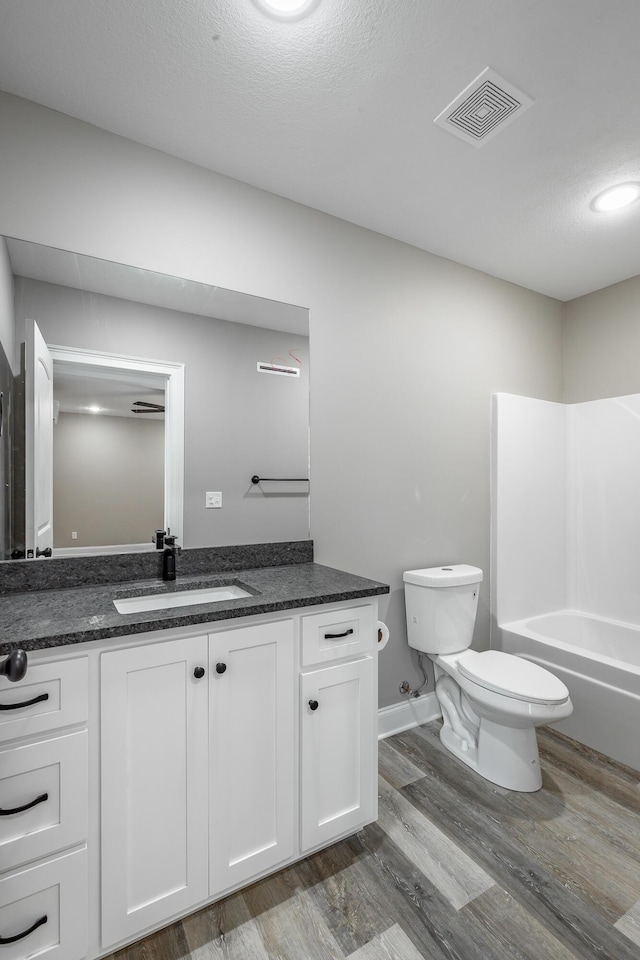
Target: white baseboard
(410, 713)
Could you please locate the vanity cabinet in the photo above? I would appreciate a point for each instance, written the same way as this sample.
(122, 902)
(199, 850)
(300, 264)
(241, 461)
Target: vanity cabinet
(44, 812)
(218, 754)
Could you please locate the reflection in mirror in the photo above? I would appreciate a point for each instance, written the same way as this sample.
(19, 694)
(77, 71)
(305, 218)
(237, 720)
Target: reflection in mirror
(237, 421)
(108, 448)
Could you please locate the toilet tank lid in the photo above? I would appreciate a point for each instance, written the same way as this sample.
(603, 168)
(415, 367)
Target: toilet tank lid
(453, 575)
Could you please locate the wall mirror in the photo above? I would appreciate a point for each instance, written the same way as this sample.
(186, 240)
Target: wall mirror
(246, 404)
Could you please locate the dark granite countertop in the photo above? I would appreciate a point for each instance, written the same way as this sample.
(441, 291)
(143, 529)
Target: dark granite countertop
(39, 619)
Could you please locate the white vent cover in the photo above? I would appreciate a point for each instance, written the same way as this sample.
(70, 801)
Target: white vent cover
(264, 367)
(484, 108)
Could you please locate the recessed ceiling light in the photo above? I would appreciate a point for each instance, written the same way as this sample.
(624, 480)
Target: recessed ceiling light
(615, 198)
(286, 9)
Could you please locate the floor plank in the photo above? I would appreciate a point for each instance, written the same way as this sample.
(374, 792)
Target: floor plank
(392, 944)
(456, 875)
(456, 868)
(520, 935)
(481, 822)
(354, 906)
(224, 931)
(395, 767)
(290, 924)
(629, 924)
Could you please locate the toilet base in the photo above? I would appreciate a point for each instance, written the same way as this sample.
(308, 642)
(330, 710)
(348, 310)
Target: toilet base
(506, 756)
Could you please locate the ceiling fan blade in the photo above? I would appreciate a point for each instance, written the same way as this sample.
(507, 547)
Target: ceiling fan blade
(159, 407)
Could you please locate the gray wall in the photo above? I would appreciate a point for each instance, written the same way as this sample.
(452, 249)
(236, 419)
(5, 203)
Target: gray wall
(406, 348)
(108, 479)
(237, 422)
(602, 343)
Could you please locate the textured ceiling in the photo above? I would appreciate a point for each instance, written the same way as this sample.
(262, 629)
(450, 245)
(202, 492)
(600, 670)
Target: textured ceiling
(336, 111)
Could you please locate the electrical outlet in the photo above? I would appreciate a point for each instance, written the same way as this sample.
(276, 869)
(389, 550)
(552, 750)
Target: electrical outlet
(212, 500)
(74, 535)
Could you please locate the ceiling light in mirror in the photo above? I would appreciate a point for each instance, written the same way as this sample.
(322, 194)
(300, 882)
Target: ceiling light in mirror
(286, 9)
(616, 198)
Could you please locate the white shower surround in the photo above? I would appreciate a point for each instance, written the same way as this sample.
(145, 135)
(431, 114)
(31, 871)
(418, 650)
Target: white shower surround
(566, 541)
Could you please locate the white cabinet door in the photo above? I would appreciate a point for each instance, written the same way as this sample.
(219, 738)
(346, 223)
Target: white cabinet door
(154, 784)
(338, 751)
(252, 721)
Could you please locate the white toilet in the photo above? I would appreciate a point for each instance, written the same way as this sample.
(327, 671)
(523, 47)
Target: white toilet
(492, 701)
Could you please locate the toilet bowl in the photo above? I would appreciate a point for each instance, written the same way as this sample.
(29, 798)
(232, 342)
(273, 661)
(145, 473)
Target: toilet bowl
(491, 702)
(499, 740)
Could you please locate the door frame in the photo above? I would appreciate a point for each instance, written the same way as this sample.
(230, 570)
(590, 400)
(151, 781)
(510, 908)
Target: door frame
(97, 363)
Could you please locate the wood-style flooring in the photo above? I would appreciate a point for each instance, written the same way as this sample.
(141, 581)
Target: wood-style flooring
(454, 868)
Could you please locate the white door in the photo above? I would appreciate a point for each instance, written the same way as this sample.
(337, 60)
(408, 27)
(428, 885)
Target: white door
(38, 442)
(338, 751)
(154, 784)
(252, 721)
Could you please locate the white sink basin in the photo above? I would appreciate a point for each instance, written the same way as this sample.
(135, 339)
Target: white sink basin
(184, 598)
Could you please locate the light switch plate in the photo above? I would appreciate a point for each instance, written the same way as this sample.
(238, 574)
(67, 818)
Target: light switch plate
(213, 500)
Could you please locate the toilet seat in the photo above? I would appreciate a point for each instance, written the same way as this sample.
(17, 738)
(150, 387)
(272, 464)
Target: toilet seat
(512, 676)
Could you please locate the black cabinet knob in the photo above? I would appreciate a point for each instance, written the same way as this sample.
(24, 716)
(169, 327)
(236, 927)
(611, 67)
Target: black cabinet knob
(313, 704)
(221, 667)
(15, 666)
(198, 673)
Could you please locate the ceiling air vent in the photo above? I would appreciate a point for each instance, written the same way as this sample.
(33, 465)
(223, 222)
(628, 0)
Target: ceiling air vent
(484, 108)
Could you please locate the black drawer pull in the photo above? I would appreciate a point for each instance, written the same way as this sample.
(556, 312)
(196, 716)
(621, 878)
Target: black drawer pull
(24, 703)
(26, 806)
(25, 933)
(313, 704)
(338, 636)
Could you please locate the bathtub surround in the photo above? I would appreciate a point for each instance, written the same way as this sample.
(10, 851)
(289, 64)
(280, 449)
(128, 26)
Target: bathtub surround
(566, 566)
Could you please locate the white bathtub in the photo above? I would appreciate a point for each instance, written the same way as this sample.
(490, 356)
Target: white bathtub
(599, 660)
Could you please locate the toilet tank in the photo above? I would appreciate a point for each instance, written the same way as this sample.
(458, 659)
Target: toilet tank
(441, 604)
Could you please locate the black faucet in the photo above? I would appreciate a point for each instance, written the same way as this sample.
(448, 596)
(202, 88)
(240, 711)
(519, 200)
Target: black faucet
(169, 559)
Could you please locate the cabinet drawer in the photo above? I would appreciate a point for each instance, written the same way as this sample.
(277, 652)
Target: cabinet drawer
(43, 798)
(51, 695)
(335, 634)
(44, 908)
